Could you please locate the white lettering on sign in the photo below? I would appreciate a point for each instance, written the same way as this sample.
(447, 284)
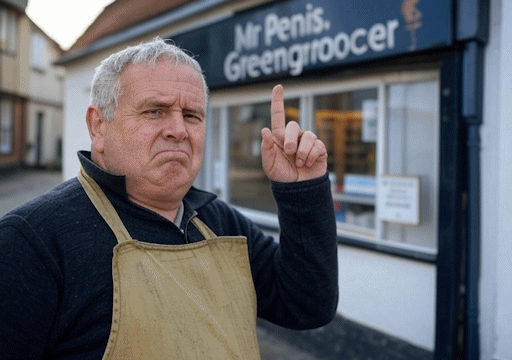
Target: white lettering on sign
(293, 59)
(248, 39)
(295, 26)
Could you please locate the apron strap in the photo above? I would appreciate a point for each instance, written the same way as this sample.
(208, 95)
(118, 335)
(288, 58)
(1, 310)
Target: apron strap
(107, 211)
(104, 206)
(203, 228)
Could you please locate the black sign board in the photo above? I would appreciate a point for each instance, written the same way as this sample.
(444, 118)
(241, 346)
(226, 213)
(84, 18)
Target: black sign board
(288, 38)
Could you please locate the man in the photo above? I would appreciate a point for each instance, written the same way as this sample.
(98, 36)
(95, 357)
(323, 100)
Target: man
(131, 261)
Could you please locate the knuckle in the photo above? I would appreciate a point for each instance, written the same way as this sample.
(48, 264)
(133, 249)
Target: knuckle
(319, 145)
(292, 125)
(302, 154)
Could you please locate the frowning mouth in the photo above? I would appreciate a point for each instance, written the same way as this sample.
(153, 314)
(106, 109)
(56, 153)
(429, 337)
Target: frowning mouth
(173, 154)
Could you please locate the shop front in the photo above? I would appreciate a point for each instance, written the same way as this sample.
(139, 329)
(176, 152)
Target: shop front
(381, 85)
(395, 91)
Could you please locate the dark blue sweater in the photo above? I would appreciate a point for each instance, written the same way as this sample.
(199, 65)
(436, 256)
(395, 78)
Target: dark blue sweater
(56, 261)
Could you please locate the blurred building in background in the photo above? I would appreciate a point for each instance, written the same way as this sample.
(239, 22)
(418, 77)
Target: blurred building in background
(410, 98)
(31, 91)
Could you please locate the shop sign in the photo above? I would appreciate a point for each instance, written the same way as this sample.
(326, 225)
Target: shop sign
(289, 38)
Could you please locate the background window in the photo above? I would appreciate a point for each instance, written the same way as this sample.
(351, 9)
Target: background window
(214, 161)
(347, 124)
(411, 149)
(248, 185)
(39, 61)
(6, 127)
(387, 130)
(7, 30)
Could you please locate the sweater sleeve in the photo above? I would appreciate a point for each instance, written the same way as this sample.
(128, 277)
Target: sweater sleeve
(297, 280)
(28, 299)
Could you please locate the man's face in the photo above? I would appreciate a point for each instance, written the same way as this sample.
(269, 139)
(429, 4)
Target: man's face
(157, 134)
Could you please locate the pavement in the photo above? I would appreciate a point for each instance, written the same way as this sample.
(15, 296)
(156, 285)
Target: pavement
(21, 185)
(18, 186)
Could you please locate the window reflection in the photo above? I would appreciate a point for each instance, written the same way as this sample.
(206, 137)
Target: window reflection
(411, 149)
(248, 185)
(347, 124)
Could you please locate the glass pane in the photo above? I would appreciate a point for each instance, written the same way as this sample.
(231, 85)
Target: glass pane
(6, 128)
(7, 30)
(3, 29)
(12, 32)
(347, 124)
(412, 133)
(38, 51)
(215, 136)
(5, 143)
(248, 185)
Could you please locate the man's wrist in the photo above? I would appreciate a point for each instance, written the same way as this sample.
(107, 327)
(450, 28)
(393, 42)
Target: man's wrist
(299, 185)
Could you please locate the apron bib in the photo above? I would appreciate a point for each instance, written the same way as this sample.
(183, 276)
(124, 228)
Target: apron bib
(192, 301)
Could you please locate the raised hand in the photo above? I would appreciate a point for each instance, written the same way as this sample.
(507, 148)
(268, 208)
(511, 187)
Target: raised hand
(289, 154)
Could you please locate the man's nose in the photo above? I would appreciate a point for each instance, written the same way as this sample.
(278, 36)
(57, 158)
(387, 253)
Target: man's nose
(175, 127)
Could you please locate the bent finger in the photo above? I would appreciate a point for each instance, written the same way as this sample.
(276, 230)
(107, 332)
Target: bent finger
(306, 144)
(292, 138)
(318, 152)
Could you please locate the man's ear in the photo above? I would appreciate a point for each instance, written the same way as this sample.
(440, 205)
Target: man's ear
(96, 125)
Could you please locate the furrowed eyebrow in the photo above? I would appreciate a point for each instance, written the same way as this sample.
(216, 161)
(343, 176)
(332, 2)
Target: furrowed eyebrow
(153, 103)
(156, 103)
(197, 111)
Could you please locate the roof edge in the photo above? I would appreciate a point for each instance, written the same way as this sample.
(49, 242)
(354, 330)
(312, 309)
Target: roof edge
(140, 29)
(45, 34)
(20, 5)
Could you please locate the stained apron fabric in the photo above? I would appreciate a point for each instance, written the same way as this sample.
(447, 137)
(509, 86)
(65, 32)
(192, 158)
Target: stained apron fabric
(191, 301)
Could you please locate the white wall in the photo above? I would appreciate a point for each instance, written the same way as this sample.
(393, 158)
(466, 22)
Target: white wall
(495, 291)
(396, 296)
(489, 183)
(76, 100)
(504, 245)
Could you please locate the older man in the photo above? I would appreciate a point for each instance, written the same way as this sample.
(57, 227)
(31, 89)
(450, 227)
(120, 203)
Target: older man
(128, 260)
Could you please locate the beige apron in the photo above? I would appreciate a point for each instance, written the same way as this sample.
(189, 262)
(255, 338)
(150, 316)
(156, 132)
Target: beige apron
(192, 301)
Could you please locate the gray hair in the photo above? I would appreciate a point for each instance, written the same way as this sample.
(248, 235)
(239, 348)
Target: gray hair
(105, 87)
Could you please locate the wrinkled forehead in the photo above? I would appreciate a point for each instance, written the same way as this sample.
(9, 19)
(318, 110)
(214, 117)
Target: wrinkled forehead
(140, 81)
(164, 69)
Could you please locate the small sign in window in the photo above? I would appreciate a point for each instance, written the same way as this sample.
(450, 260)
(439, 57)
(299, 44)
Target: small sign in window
(398, 199)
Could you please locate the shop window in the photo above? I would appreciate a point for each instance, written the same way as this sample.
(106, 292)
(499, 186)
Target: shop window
(6, 127)
(347, 124)
(214, 158)
(382, 138)
(248, 185)
(8, 23)
(412, 145)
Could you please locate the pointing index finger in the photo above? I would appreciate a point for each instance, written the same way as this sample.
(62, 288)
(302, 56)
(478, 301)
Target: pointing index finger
(277, 108)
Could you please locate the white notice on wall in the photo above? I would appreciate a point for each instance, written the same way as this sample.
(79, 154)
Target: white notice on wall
(398, 199)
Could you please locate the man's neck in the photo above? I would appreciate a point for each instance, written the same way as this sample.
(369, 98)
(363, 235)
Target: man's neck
(168, 213)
